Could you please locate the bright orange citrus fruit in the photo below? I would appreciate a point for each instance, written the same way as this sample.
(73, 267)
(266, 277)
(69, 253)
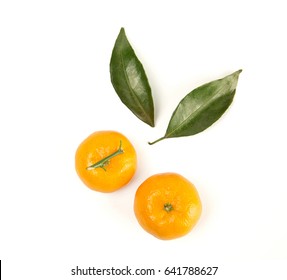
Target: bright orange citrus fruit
(106, 161)
(167, 205)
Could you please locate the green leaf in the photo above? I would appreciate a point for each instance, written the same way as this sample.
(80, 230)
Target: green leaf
(130, 81)
(202, 107)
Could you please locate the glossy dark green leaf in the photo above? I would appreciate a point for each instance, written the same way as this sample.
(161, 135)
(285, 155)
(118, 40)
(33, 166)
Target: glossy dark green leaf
(130, 81)
(202, 107)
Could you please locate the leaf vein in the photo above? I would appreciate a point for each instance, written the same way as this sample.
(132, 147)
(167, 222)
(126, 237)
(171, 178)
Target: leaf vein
(135, 97)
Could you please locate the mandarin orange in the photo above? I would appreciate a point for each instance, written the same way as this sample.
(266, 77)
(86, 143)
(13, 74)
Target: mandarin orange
(106, 161)
(167, 205)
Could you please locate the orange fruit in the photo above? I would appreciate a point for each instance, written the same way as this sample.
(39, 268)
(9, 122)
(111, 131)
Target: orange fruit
(167, 205)
(106, 161)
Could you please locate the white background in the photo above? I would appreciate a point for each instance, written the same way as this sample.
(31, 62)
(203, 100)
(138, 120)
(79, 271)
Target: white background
(55, 90)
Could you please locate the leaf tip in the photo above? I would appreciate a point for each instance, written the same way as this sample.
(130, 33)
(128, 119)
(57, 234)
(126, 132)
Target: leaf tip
(238, 72)
(152, 124)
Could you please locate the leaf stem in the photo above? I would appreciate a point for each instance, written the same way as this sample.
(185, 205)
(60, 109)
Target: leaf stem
(103, 162)
(151, 143)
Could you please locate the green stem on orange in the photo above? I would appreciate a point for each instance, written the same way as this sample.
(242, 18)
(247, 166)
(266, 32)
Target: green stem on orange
(167, 207)
(103, 162)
